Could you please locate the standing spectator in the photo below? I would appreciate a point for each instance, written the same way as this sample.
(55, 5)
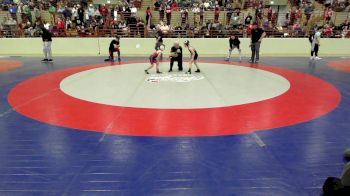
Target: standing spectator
(201, 14)
(229, 14)
(195, 12)
(104, 11)
(168, 15)
(37, 13)
(257, 35)
(81, 14)
(115, 13)
(328, 14)
(27, 13)
(308, 11)
(148, 16)
(184, 16)
(269, 13)
(161, 12)
(216, 13)
(75, 11)
(52, 11)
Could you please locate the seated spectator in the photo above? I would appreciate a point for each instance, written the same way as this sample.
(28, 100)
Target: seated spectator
(13, 11)
(345, 24)
(66, 12)
(296, 29)
(328, 30)
(46, 25)
(345, 32)
(174, 6)
(61, 23)
(11, 22)
(266, 24)
(122, 25)
(250, 28)
(206, 5)
(248, 19)
(164, 28)
(157, 5)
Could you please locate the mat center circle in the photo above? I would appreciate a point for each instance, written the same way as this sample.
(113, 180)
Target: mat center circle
(220, 85)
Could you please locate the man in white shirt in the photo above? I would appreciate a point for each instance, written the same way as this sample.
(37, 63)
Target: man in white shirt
(315, 44)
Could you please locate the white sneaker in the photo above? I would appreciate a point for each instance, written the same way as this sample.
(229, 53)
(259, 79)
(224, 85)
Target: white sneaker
(312, 58)
(318, 58)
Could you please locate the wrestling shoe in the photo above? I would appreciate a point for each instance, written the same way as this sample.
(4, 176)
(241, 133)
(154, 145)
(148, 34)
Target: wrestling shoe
(198, 71)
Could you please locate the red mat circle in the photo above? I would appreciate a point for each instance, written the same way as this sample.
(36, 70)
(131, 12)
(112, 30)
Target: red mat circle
(40, 98)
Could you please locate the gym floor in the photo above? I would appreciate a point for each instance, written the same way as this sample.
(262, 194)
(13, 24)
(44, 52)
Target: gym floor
(79, 126)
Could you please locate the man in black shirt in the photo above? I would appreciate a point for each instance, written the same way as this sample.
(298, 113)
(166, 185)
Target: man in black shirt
(47, 40)
(176, 55)
(114, 46)
(257, 35)
(81, 14)
(159, 41)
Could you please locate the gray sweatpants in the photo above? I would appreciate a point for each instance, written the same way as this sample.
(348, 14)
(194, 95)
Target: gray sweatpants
(47, 50)
(255, 51)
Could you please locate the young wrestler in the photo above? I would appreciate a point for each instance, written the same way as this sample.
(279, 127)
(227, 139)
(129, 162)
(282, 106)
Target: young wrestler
(194, 57)
(114, 46)
(234, 43)
(154, 59)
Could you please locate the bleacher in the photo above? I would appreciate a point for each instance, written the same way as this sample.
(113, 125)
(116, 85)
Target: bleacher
(176, 20)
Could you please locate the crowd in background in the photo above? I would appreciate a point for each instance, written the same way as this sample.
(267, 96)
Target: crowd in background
(85, 19)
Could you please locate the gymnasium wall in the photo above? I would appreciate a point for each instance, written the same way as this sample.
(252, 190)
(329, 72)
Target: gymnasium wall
(204, 46)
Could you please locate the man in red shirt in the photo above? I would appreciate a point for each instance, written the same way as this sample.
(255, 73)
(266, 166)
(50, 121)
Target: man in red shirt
(217, 13)
(104, 11)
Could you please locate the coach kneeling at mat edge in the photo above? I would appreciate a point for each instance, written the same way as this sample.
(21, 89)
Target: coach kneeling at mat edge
(176, 55)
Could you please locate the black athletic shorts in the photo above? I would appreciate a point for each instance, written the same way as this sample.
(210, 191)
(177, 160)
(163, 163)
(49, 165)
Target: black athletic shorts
(195, 56)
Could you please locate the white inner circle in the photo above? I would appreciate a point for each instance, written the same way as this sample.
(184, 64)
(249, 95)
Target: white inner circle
(222, 85)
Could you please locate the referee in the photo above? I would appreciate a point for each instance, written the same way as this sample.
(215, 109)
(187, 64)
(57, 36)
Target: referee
(257, 35)
(47, 41)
